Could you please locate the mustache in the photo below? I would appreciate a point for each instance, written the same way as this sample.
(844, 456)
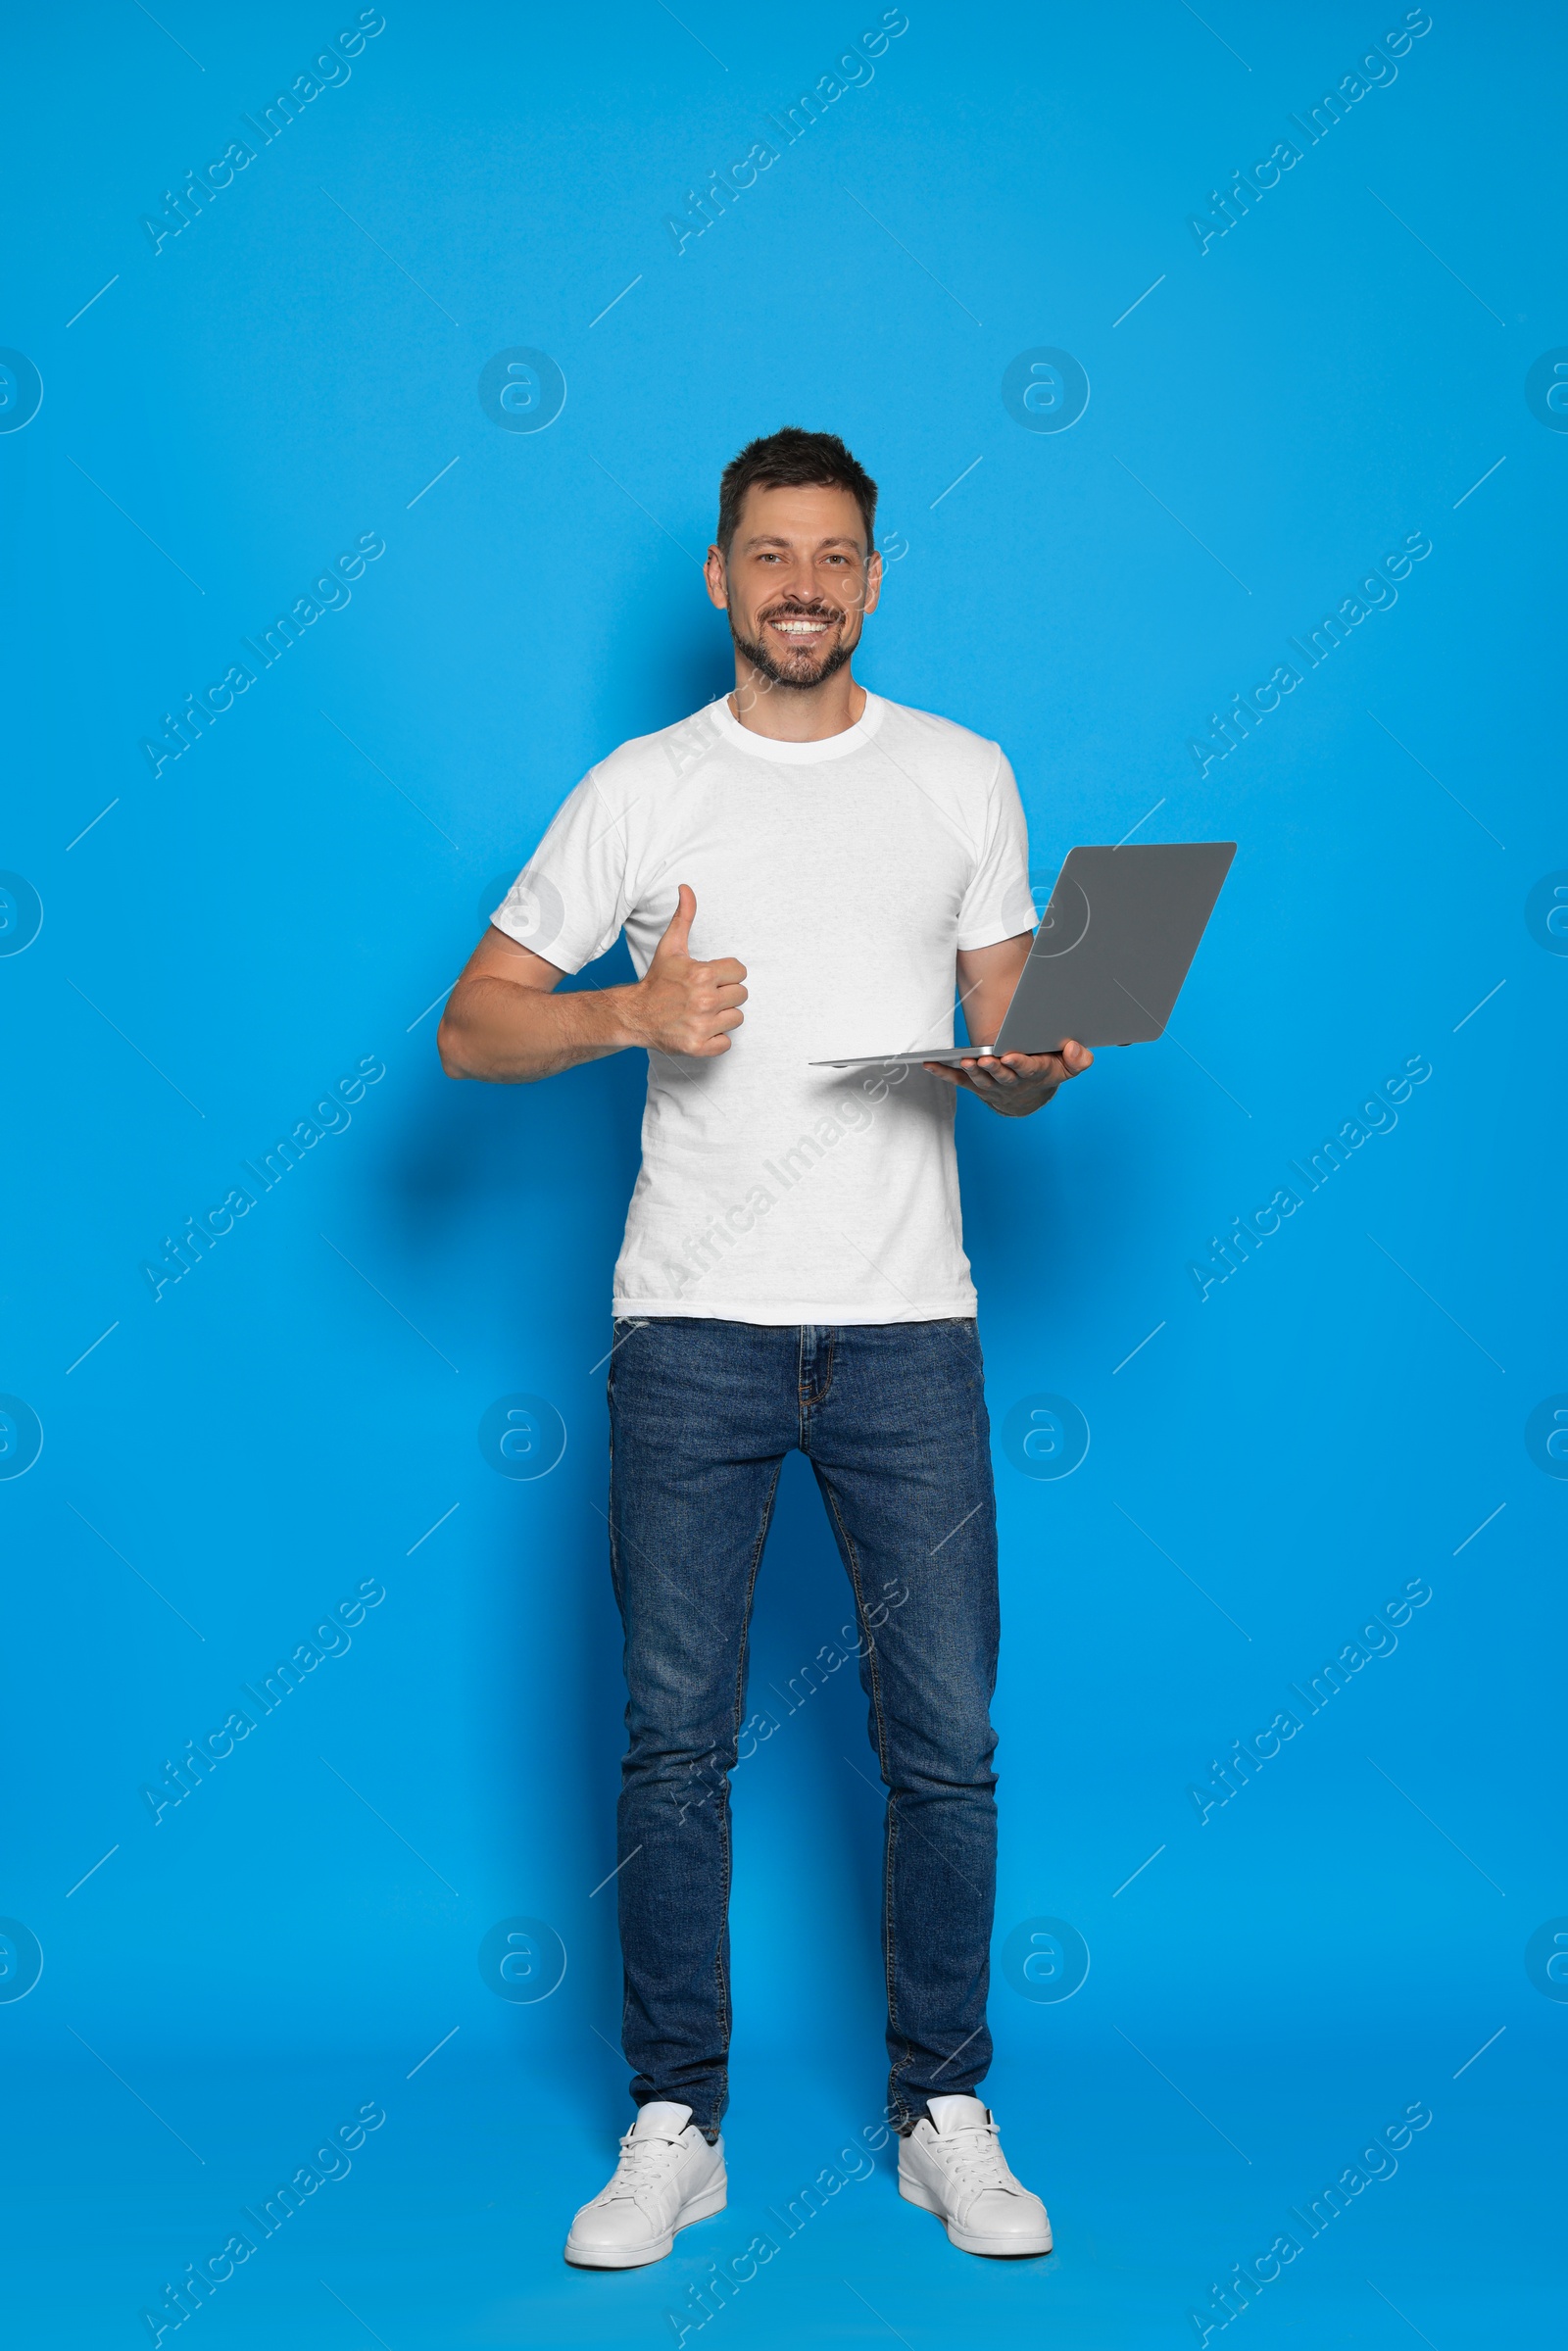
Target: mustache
(792, 610)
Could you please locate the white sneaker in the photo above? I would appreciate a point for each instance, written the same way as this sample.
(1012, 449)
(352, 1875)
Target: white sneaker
(668, 2177)
(952, 2165)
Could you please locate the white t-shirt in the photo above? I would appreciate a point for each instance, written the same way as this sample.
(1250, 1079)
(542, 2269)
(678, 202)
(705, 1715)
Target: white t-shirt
(845, 875)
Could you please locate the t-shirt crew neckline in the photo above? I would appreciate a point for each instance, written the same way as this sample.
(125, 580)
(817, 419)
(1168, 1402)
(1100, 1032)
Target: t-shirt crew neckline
(797, 755)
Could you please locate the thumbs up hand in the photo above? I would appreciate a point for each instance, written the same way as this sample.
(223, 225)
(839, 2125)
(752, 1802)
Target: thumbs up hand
(682, 1006)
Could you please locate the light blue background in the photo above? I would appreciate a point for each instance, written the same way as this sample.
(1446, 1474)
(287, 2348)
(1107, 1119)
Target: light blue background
(229, 939)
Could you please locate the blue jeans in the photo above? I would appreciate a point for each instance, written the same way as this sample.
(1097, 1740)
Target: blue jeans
(892, 1418)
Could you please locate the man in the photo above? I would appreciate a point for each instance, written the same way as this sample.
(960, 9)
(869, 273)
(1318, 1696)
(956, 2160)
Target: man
(801, 870)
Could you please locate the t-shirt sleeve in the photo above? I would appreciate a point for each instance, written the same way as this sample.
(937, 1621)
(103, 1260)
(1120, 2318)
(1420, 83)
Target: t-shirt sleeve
(571, 899)
(997, 904)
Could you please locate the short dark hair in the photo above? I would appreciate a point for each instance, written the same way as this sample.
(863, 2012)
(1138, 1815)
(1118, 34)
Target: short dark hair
(792, 459)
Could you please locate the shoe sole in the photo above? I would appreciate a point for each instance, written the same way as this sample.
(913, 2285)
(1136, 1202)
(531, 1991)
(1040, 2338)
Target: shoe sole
(996, 2248)
(701, 2208)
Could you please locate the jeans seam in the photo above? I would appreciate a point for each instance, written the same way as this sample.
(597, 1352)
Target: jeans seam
(720, 1980)
(609, 1522)
(883, 1761)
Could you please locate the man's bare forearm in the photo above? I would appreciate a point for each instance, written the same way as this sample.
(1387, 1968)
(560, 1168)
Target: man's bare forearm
(504, 1021)
(494, 1029)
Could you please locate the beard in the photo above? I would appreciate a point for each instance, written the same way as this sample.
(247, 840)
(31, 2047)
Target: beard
(803, 669)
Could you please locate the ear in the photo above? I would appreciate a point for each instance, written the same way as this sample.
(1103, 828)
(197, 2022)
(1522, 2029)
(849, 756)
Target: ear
(716, 573)
(873, 583)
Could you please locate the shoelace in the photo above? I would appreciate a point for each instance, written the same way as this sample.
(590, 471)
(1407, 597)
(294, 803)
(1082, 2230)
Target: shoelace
(642, 2161)
(975, 2159)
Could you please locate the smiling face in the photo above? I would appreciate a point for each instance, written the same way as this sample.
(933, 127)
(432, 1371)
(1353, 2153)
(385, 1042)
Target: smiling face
(797, 582)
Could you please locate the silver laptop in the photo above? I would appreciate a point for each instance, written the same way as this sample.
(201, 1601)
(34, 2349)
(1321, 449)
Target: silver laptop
(1109, 960)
